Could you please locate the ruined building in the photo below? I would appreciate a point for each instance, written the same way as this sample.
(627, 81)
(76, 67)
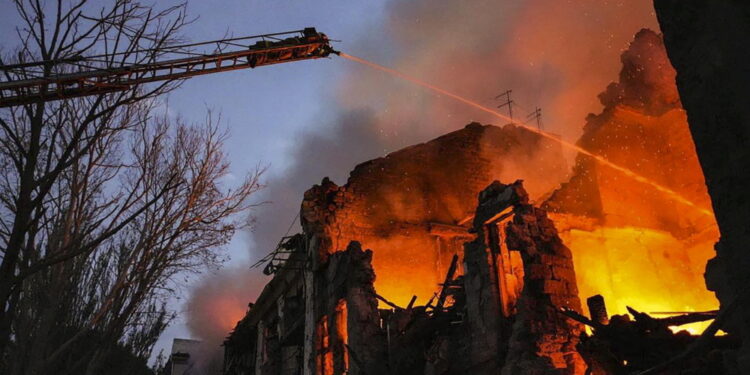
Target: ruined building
(423, 263)
(348, 308)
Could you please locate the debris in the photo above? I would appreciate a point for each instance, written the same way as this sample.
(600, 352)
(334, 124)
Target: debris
(387, 302)
(597, 309)
(624, 346)
(447, 284)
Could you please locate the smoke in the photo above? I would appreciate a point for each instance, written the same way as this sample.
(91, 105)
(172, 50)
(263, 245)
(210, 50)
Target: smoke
(220, 300)
(644, 128)
(644, 234)
(214, 308)
(554, 54)
(557, 55)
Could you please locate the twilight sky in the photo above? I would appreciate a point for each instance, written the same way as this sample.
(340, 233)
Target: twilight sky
(306, 120)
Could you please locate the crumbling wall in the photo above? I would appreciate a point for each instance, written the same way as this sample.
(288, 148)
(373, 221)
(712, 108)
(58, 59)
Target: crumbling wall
(621, 229)
(499, 315)
(269, 339)
(409, 206)
(413, 208)
(349, 278)
(532, 336)
(643, 128)
(488, 325)
(541, 337)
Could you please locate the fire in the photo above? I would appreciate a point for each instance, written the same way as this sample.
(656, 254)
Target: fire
(645, 250)
(649, 270)
(402, 271)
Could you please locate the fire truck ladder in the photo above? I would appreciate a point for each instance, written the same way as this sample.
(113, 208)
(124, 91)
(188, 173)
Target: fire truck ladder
(266, 49)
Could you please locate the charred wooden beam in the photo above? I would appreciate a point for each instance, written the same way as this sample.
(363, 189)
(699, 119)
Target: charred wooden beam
(446, 284)
(449, 231)
(689, 318)
(387, 302)
(572, 314)
(598, 309)
(411, 303)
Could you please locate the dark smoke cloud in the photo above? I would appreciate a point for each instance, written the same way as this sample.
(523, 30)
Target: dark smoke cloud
(555, 54)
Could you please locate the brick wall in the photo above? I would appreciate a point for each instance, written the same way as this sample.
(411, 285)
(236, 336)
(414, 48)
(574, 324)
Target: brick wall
(388, 203)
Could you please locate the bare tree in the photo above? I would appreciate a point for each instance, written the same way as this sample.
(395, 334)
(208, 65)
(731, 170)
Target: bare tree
(102, 203)
(43, 143)
(116, 291)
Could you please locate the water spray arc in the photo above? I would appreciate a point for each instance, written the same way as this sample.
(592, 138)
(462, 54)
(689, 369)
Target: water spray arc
(600, 159)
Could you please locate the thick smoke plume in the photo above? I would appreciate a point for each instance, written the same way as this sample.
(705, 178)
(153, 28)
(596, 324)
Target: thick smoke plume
(554, 54)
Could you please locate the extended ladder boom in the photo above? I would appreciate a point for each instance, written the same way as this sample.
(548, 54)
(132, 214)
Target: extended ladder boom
(269, 49)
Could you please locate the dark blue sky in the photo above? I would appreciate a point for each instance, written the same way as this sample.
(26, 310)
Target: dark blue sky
(268, 109)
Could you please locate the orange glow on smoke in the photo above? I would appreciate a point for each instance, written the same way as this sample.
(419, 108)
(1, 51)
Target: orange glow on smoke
(648, 253)
(226, 312)
(629, 173)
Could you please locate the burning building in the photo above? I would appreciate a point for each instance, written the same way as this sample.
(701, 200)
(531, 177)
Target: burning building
(620, 228)
(415, 208)
(423, 263)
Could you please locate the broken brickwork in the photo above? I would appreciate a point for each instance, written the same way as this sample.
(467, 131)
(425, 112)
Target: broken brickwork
(498, 315)
(541, 337)
(513, 313)
(509, 303)
(644, 128)
(269, 339)
(411, 206)
(359, 341)
(423, 300)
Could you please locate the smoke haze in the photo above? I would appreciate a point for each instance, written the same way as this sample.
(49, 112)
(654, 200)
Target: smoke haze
(557, 55)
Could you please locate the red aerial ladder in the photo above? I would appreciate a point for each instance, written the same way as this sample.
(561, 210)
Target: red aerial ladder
(267, 49)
